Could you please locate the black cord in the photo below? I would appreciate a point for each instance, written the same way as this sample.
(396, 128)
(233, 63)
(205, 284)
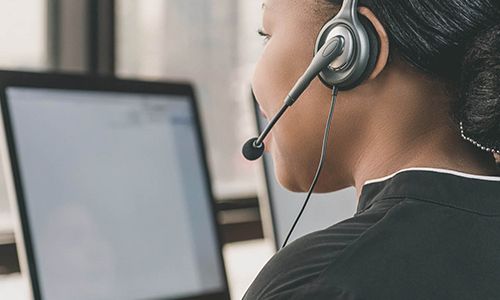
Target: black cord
(320, 165)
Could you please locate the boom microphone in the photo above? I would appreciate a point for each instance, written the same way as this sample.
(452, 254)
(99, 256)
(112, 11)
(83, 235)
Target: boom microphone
(254, 148)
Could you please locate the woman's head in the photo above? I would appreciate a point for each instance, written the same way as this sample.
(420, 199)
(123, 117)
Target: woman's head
(430, 50)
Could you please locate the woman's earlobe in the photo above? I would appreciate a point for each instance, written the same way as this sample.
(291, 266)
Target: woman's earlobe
(383, 56)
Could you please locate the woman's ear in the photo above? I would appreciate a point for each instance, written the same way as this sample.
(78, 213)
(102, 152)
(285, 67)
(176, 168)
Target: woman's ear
(383, 56)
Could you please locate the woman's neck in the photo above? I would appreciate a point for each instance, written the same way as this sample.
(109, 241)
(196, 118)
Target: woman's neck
(437, 149)
(412, 128)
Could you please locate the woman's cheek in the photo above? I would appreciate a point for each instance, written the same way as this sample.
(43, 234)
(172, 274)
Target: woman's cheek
(261, 83)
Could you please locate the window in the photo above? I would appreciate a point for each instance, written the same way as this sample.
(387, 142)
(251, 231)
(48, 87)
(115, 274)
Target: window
(212, 44)
(23, 34)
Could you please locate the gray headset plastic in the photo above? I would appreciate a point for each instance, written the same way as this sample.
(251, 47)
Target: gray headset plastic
(344, 54)
(350, 57)
(347, 70)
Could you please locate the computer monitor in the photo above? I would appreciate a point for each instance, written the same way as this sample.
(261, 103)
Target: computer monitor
(112, 189)
(283, 206)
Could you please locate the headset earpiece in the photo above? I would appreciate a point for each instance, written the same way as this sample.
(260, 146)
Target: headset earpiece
(374, 42)
(361, 48)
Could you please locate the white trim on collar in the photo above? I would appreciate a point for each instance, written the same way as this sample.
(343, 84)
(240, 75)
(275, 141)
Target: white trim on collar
(446, 171)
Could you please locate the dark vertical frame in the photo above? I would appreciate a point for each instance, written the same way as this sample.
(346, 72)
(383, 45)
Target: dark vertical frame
(101, 37)
(93, 35)
(53, 34)
(265, 165)
(81, 36)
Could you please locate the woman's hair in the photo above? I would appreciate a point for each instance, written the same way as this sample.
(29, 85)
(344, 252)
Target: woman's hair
(457, 41)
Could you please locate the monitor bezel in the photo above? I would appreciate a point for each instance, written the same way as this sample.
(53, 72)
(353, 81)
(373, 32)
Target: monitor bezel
(266, 173)
(64, 81)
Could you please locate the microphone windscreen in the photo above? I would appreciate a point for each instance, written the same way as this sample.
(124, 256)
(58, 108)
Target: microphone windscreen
(251, 152)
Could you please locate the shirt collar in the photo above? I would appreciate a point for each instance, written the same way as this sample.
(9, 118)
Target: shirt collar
(477, 193)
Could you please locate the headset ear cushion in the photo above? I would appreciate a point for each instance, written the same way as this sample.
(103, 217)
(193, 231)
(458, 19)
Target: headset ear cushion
(374, 47)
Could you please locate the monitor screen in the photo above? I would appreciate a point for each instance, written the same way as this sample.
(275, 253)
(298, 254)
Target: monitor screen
(322, 211)
(115, 194)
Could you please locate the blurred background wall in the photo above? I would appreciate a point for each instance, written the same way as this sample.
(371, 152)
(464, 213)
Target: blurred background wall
(212, 44)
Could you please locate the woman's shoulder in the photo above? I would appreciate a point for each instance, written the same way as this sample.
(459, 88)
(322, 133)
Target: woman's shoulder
(296, 267)
(407, 231)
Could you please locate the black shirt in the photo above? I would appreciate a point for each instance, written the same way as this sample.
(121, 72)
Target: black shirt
(417, 234)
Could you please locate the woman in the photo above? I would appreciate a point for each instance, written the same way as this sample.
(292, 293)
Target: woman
(427, 225)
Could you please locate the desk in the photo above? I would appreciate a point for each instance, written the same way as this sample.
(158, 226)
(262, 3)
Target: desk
(8, 252)
(14, 287)
(6, 229)
(243, 262)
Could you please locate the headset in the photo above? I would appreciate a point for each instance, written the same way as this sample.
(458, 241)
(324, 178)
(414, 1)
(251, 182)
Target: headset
(361, 48)
(345, 54)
